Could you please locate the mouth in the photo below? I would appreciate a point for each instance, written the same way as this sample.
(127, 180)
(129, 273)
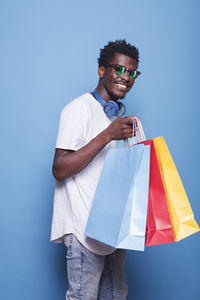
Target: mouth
(122, 86)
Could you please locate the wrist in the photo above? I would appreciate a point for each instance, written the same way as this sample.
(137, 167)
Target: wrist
(105, 137)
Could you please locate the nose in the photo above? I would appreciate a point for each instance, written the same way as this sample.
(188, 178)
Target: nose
(125, 76)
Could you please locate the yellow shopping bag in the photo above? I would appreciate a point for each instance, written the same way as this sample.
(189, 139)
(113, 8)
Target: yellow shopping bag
(180, 211)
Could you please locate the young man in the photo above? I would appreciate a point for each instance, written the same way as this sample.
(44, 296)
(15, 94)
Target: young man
(85, 135)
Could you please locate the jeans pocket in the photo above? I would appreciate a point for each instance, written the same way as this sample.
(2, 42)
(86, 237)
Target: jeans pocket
(68, 240)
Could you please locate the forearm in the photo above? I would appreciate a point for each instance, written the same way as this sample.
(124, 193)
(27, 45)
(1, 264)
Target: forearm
(70, 163)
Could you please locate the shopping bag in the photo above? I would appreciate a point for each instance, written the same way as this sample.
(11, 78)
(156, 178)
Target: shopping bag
(181, 215)
(119, 210)
(180, 212)
(159, 228)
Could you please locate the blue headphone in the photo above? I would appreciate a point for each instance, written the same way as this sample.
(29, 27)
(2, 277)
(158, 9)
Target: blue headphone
(111, 108)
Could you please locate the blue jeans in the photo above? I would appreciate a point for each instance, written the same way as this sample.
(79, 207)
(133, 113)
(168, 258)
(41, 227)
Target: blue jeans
(90, 274)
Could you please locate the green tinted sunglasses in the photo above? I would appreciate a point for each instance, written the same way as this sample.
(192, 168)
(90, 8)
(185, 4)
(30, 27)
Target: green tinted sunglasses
(120, 70)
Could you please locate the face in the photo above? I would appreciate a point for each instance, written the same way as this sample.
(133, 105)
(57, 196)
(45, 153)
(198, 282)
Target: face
(117, 86)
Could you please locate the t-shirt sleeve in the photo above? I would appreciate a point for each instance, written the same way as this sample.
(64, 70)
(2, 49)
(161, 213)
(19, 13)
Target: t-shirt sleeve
(72, 127)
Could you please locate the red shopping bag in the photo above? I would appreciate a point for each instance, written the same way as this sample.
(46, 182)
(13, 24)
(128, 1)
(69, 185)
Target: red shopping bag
(159, 228)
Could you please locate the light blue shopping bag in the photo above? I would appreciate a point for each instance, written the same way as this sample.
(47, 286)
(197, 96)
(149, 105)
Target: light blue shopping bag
(119, 210)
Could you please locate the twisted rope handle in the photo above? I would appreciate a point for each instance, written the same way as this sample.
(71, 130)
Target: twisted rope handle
(138, 133)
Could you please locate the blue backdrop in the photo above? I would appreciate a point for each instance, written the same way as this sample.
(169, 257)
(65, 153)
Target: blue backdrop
(48, 56)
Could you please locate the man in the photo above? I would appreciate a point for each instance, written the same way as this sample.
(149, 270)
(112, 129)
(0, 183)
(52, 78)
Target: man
(85, 135)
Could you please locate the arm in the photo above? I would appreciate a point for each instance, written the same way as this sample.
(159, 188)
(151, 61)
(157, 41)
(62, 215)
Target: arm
(68, 163)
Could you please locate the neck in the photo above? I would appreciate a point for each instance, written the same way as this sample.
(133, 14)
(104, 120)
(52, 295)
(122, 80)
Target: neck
(104, 93)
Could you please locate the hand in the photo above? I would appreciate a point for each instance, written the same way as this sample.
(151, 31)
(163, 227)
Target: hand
(121, 128)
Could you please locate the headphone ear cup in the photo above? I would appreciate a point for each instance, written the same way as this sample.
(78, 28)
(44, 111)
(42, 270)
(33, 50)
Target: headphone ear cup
(111, 108)
(122, 109)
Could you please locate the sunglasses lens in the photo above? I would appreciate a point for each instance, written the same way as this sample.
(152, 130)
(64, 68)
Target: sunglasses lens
(119, 70)
(132, 74)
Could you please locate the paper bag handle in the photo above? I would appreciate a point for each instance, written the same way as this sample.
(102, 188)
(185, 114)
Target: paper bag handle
(138, 133)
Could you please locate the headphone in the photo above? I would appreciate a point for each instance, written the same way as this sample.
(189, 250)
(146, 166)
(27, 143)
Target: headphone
(111, 108)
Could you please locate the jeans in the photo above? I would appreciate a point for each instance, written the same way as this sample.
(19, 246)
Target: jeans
(90, 275)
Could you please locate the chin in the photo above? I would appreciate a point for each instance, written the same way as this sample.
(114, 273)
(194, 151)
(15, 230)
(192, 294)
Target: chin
(118, 95)
(122, 96)
(115, 95)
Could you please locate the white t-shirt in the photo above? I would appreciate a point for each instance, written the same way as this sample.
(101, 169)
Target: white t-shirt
(81, 120)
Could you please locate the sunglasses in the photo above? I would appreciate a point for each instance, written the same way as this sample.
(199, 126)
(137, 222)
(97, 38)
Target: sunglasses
(120, 70)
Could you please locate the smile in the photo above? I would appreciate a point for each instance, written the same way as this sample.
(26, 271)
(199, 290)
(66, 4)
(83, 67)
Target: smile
(122, 86)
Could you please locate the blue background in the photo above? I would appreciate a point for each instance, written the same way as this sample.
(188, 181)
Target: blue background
(48, 56)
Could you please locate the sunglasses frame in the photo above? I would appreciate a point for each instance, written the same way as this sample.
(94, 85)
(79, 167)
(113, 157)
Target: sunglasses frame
(124, 70)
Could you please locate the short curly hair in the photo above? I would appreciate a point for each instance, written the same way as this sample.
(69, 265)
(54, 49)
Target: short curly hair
(119, 46)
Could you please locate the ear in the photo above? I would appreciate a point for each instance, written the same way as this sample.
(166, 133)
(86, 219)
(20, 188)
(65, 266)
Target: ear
(101, 71)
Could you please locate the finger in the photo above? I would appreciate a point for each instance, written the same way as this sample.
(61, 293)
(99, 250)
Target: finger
(128, 121)
(128, 132)
(128, 136)
(127, 128)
